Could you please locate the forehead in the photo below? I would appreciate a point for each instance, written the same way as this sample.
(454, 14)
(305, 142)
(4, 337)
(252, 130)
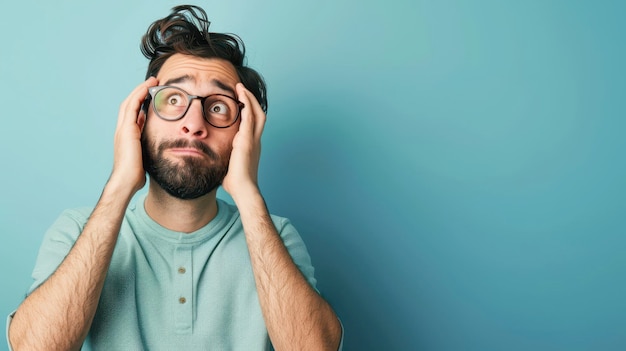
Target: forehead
(197, 70)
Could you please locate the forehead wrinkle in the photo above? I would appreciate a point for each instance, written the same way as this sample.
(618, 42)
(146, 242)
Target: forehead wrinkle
(200, 72)
(213, 83)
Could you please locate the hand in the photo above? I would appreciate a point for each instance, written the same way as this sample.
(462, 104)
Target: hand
(244, 159)
(128, 172)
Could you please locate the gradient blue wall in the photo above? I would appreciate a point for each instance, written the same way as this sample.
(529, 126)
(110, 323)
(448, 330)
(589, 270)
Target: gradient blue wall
(455, 167)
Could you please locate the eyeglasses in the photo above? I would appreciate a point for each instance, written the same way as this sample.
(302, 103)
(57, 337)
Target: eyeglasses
(172, 103)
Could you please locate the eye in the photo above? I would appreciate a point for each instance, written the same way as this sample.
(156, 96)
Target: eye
(175, 100)
(219, 108)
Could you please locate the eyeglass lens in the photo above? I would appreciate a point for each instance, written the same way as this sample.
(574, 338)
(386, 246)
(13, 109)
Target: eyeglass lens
(172, 103)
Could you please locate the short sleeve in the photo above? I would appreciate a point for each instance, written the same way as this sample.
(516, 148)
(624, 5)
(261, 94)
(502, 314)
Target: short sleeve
(341, 341)
(9, 320)
(296, 248)
(300, 255)
(57, 242)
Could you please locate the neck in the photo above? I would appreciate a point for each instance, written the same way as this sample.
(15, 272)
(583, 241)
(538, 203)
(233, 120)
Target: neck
(184, 216)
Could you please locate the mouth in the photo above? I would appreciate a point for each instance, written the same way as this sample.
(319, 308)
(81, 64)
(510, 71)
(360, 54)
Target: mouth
(186, 151)
(186, 148)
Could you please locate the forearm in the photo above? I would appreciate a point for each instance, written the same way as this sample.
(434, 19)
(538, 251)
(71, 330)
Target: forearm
(58, 314)
(297, 317)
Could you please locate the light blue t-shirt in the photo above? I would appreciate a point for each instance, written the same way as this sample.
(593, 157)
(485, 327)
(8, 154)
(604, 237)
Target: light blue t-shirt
(167, 290)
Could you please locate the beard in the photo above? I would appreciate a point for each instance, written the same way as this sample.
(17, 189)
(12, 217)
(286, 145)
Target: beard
(188, 178)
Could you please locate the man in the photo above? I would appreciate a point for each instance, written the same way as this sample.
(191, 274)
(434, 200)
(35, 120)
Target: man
(180, 269)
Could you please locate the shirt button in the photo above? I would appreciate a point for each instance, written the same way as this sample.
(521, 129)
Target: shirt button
(182, 270)
(182, 300)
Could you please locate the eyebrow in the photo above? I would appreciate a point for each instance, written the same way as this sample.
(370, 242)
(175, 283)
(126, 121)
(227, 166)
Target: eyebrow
(180, 79)
(216, 82)
(223, 86)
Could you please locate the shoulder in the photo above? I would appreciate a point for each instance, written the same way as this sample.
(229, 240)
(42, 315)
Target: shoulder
(70, 222)
(79, 215)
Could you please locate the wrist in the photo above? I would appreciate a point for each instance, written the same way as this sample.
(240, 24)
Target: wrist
(246, 195)
(119, 189)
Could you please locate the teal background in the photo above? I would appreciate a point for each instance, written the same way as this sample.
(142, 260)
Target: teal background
(456, 167)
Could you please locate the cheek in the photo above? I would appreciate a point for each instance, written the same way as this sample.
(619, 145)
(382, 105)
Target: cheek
(223, 144)
(147, 141)
(146, 135)
(225, 136)
(150, 138)
(155, 129)
(148, 124)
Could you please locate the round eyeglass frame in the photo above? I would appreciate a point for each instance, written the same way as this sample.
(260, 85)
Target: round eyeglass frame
(152, 91)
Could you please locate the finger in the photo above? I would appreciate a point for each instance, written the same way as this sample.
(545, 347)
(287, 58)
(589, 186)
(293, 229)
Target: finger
(247, 113)
(254, 108)
(129, 109)
(259, 114)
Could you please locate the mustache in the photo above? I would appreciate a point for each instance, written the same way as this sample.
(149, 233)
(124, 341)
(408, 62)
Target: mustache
(185, 143)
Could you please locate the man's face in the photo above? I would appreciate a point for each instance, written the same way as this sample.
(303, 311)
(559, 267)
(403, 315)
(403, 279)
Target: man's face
(189, 158)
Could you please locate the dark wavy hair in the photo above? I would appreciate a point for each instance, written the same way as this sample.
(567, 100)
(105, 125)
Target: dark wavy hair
(186, 31)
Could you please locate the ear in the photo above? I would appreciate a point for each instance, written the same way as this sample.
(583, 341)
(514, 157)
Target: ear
(141, 120)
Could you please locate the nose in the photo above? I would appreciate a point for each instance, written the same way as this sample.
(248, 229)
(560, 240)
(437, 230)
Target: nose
(193, 123)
